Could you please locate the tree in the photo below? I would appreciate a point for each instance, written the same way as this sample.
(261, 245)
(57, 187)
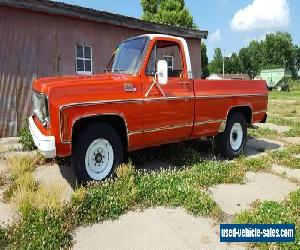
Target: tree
(297, 58)
(172, 12)
(204, 61)
(235, 64)
(216, 65)
(278, 51)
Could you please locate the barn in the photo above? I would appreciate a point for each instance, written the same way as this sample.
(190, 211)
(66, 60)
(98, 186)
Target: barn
(40, 38)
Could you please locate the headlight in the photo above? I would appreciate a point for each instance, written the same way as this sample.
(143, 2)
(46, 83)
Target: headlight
(40, 108)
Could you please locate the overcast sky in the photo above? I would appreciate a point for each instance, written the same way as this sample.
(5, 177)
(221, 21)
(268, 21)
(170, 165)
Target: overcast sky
(231, 23)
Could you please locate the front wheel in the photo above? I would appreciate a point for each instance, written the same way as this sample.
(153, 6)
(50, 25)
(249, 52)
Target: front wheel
(97, 151)
(232, 141)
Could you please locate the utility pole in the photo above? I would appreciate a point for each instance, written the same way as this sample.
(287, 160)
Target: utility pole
(223, 63)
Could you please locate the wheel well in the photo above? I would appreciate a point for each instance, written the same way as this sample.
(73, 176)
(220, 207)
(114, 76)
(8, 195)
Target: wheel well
(115, 121)
(246, 111)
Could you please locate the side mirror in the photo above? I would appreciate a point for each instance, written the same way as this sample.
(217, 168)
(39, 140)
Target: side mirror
(162, 72)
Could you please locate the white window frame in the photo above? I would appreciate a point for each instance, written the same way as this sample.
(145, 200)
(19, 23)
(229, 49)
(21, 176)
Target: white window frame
(84, 59)
(172, 57)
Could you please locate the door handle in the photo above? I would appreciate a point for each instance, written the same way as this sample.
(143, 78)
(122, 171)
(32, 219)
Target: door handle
(186, 84)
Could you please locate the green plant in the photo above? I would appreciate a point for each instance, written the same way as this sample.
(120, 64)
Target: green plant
(41, 229)
(275, 212)
(3, 238)
(25, 137)
(285, 156)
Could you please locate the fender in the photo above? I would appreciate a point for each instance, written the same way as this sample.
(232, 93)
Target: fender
(66, 130)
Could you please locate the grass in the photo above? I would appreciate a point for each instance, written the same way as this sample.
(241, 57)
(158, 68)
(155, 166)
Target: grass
(285, 157)
(263, 132)
(285, 115)
(292, 95)
(275, 212)
(40, 229)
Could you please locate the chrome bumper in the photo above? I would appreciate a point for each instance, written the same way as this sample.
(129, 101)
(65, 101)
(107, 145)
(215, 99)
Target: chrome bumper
(45, 144)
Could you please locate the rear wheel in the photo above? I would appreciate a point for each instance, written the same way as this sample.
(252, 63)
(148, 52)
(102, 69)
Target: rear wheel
(232, 141)
(97, 151)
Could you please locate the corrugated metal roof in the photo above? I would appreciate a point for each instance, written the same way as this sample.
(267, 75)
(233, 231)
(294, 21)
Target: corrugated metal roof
(74, 11)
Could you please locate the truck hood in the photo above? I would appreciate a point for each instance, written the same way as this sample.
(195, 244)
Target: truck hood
(74, 89)
(44, 85)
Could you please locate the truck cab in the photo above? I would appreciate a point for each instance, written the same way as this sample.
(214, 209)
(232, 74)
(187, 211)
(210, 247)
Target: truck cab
(146, 97)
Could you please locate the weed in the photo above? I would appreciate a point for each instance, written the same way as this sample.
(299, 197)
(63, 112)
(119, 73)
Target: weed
(285, 156)
(25, 137)
(3, 180)
(294, 131)
(263, 132)
(3, 238)
(253, 164)
(41, 229)
(19, 165)
(274, 213)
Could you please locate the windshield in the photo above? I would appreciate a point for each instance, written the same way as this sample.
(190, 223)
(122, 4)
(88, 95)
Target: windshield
(128, 56)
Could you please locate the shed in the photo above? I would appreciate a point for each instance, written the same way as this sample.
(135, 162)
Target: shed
(273, 76)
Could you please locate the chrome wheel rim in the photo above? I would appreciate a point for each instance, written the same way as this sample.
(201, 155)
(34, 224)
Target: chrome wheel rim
(99, 159)
(236, 136)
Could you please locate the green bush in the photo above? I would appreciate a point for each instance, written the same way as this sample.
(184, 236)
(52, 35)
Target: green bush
(26, 137)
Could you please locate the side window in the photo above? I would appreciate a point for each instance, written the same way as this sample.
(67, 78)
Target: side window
(170, 61)
(170, 52)
(84, 59)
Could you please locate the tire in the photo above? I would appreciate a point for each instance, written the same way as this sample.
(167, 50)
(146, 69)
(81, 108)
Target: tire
(231, 143)
(97, 151)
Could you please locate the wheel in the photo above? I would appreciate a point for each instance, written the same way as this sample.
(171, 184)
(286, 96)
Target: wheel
(279, 88)
(232, 141)
(96, 153)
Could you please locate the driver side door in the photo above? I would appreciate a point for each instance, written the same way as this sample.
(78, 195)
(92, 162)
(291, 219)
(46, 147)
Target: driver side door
(168, 115)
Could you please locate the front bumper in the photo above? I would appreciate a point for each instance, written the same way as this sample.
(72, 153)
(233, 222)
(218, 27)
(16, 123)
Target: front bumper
(45, 144)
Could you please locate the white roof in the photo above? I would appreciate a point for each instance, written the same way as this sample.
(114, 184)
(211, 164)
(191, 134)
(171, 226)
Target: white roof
(185, 46)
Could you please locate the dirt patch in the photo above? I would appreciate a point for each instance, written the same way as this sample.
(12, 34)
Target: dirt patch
(291, 140)
(232, 198)
(7, 213)
(9, 144)
(55, 175)
(155, 228)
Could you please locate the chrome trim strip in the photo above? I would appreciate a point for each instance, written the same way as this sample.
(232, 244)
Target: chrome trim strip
(168, 98)
(168, 127)
(225, 96)
(98, 102)
(151, 130)
(209, 122)
(259, 112)
(136, 132)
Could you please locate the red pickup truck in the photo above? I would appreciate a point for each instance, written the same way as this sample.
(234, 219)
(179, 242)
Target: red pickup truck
(146, 97)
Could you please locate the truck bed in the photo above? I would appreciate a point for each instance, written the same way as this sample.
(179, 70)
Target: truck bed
(214, 99)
